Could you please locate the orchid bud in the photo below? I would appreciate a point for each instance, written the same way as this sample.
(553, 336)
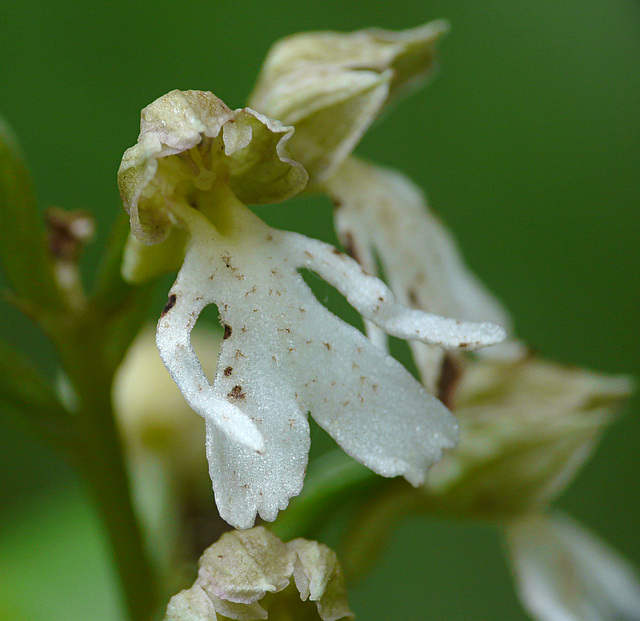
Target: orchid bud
(331, 86)
(248, 575)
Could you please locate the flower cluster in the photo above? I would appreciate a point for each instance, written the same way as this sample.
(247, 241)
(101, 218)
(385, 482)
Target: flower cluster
(526, 426)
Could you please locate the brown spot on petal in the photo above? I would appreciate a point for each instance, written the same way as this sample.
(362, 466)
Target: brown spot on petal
(169, 305)
(236, 393)
(228, 371)
(227, 331)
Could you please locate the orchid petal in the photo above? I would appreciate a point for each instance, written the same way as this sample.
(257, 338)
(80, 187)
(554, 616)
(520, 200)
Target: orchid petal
(565, 573)
(318, 577)
(332, 86)
(283, 355)
(381, 213)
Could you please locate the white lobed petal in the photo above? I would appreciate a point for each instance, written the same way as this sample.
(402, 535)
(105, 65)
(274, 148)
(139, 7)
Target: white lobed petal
(284, 355)
(565, 573)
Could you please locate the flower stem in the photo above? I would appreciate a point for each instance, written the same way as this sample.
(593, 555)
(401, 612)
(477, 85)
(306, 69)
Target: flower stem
(109, 487)
(101, 463)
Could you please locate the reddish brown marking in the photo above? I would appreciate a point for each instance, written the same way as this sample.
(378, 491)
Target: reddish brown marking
(228, 371)
(227, 331)
(236, 393)
(350, 246)
(450, 375)
(170, 304)
(413, 298)
(328, 346)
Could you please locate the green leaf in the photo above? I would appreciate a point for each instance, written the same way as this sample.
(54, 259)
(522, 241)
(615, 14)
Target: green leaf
(23, 249)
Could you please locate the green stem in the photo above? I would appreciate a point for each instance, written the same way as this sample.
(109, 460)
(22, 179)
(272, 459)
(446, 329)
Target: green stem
(102, 466)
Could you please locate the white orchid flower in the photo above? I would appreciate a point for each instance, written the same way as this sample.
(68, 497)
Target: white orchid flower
(283, 354)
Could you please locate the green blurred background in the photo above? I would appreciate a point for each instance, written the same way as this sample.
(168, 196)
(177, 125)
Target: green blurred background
(528, 145)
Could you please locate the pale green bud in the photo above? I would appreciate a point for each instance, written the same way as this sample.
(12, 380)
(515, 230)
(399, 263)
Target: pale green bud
(247, 575)
(331, 86)
(526, 428)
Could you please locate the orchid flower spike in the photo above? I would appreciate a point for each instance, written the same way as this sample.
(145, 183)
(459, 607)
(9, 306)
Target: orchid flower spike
(283, 354)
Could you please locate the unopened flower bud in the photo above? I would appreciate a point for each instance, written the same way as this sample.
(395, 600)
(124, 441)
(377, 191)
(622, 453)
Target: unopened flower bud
(247, 575)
